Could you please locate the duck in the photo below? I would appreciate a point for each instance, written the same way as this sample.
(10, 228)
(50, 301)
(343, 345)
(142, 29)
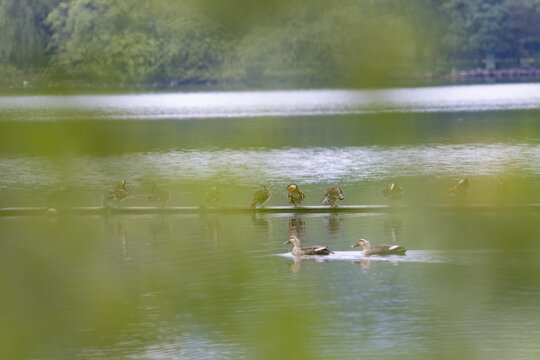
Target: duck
(119, 193)
(214, 195)
(393, 191)
(294, 195)
(331, 195)
(160, 195)
(461, 190)
(379, 249)
(260, 196)
(308, 250)
(461, 187)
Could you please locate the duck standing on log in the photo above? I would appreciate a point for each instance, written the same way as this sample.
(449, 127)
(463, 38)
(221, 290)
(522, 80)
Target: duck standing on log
(160, 195)
(461, 190)
(119, 193)
(260, 196)
(294, 195)
(331, 195)
(308, 250)
(379, 249)
(393, 192)
(213, 196)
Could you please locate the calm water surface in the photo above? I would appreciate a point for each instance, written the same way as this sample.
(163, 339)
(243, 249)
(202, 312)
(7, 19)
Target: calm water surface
(224, 286)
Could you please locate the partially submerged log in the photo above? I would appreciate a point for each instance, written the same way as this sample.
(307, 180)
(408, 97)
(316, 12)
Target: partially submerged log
(100, 210)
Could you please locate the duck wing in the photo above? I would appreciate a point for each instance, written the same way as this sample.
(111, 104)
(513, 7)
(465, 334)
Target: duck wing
(316, 250)
(384, 249)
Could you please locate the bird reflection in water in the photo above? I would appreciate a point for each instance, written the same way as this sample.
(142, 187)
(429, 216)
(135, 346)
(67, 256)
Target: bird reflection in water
(160, 226)
(260, 223)
(393, 227)
(363, 264)
(297, 262)
(213, 228)
(334, 225)
(296, 226)
(122, 237)
(118, 231)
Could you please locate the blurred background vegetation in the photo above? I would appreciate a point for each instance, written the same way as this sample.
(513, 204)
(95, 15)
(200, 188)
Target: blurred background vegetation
(170, 43)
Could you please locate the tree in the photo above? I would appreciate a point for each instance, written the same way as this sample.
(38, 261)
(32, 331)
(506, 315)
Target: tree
(524, 26)
(23, 33)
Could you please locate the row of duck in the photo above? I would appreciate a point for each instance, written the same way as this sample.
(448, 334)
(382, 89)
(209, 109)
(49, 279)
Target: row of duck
(368, 249)
(295, 196)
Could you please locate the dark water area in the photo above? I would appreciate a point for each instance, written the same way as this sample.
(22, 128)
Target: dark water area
(222, 286)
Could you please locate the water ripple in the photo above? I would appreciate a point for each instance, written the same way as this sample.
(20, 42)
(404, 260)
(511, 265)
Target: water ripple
(282, 103)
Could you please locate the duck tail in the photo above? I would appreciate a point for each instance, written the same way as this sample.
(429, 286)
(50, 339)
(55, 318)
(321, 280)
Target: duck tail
(325, 200)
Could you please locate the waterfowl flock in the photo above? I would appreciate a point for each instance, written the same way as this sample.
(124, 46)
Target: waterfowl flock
(295, 197)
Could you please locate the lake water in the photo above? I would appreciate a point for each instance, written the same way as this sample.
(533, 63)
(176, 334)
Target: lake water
(224, 286)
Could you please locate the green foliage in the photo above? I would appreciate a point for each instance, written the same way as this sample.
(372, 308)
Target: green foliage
(188, 41)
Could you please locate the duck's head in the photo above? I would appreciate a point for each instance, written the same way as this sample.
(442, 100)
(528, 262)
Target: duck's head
(121, 184)
(293, 239)
(292, 187)
(361, 242)
(463, 183)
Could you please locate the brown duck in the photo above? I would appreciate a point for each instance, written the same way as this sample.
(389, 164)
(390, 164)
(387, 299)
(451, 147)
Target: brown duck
(260, 196)
(393, 191)
(294, 195)
(461, 190)
(308, 250)
(119, 193)
(379, 249)
(331, 195)
(159, 195)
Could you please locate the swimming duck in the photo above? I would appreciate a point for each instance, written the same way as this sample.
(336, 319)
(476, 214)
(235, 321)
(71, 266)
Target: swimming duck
(308, 250)
(331, 195)
(379, 249)
(294, 195)
(214, 196)
(461, 190)
(119, 193)
(393, 191)
(160, 195)
(260, 196)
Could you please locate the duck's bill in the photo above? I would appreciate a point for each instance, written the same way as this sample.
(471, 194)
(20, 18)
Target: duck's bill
(354, 245)
(287, 242)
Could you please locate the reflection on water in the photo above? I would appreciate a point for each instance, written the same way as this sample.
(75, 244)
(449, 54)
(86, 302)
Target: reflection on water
(169, 286)
(334, 225)
(281, 103)
(223, 286)
(350, 167)
(306, 165)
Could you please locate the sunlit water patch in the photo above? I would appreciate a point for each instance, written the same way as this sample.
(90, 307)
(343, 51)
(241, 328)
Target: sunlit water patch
(278, 103)
(312, 165)
(421, 256)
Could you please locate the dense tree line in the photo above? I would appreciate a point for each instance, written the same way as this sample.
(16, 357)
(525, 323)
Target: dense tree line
(190, 41)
